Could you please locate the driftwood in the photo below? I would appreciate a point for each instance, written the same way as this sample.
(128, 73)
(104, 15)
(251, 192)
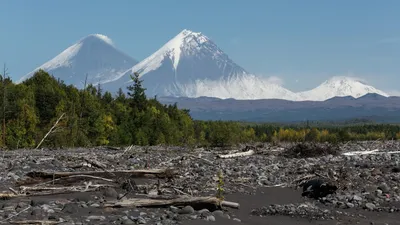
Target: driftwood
(57, 190)
(38, 222)
(61, 180)
(182, 201)
(159, 173)
(43, 191)
(238, 154)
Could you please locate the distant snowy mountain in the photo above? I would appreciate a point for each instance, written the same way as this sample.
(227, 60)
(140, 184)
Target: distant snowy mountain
(192, 65)
(188, 65)
(339, 86)
(94, 55)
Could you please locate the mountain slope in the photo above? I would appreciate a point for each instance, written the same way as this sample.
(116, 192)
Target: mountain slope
(94, 55)
(192, 65)
(370, 106)
(339, 86)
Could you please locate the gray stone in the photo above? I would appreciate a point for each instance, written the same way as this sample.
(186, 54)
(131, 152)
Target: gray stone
(186, 210)
(370, 206)
(210, 218)
(203, 211)
(218, 213)
(110, 193)
(141, 220)
(237, 220)
(193, 217)
(99, 218)
(127, 221)
(384, 187)
(95, 205)
(357, 198)
(37, 212)
(174, 209)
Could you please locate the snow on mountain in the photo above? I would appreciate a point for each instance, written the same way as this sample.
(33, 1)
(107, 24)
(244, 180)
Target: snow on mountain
(339, 86)
(94, 55)
(243, 87)
(192, 65)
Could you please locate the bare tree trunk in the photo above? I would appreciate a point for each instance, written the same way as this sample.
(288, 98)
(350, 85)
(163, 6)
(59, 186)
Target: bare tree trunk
(5, 72)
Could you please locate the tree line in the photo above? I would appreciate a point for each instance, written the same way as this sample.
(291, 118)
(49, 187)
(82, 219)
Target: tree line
(90, 117)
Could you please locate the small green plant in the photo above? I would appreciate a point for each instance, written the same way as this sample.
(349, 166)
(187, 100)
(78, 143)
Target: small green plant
(220, 184)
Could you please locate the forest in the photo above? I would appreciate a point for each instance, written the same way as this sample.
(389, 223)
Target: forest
(43, 111)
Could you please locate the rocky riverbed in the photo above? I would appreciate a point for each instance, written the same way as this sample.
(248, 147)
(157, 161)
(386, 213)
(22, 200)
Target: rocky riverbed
(262, 179)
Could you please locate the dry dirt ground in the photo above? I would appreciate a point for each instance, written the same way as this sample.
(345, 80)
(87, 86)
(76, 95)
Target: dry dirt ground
(93, 186)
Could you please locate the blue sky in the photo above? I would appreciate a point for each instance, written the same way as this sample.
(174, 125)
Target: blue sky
(301, 42)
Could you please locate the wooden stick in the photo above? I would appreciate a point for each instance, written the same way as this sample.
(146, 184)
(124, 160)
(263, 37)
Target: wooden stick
(51, 129)
(182, 201)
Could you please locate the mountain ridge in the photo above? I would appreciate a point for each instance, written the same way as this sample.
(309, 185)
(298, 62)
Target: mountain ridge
(189, 64)
(373, 106)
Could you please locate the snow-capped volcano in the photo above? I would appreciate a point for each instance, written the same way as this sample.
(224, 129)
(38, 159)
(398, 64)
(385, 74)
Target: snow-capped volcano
(192, 65)
(94, 55)
(340, 86)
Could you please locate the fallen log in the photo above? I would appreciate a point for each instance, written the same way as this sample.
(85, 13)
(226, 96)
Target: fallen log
(238, 154)
(159, 173)
(182, 201)
(62, 180)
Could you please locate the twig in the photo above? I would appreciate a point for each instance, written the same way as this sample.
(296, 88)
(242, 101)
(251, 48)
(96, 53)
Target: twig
(321, 175)
(127, 149)
(12, 190)
(179, 191)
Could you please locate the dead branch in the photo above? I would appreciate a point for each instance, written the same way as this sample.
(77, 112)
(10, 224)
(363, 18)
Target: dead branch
(182, 201)
(51, 129)
(15, 214)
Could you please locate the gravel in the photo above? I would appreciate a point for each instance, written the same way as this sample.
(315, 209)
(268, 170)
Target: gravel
(368, 184)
